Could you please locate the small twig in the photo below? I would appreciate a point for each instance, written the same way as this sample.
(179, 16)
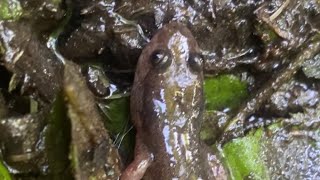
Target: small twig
(279, 11)
(235, 127)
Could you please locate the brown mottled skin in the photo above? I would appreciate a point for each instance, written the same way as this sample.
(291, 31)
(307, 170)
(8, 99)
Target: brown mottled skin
(166, 108)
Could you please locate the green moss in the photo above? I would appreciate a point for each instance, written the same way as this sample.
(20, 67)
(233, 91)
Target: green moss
(224, 91)
(274, 127)
(243, 157)
(56, 2)
(4, 173)
(10, 10)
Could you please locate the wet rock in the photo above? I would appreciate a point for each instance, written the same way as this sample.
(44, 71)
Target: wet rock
(284, 26)
(44, 14)
(115, 32)
(311, 68)
(223, 31)
(101, 34)
(23, 145)
(292, 152)
(294, 97)
(97, 81)
(290, 20)
(86, 37)
(26, 56)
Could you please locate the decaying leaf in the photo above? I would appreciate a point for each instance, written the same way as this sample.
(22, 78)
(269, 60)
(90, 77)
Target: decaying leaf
(92, 151)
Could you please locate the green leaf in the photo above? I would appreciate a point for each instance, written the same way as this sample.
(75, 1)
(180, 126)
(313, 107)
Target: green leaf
(117, 112)
(4, 173)
(225, 91)
(243, 157)
(118, 123)
(58, 139)
(10, 9)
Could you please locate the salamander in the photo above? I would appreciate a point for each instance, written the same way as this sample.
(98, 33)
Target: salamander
(167, 105)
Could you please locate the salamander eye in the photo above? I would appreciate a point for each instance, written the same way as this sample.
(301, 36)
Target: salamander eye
(161, 59)
(195, 62)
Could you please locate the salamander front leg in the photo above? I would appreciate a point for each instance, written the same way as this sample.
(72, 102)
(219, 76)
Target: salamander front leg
(142, 160)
